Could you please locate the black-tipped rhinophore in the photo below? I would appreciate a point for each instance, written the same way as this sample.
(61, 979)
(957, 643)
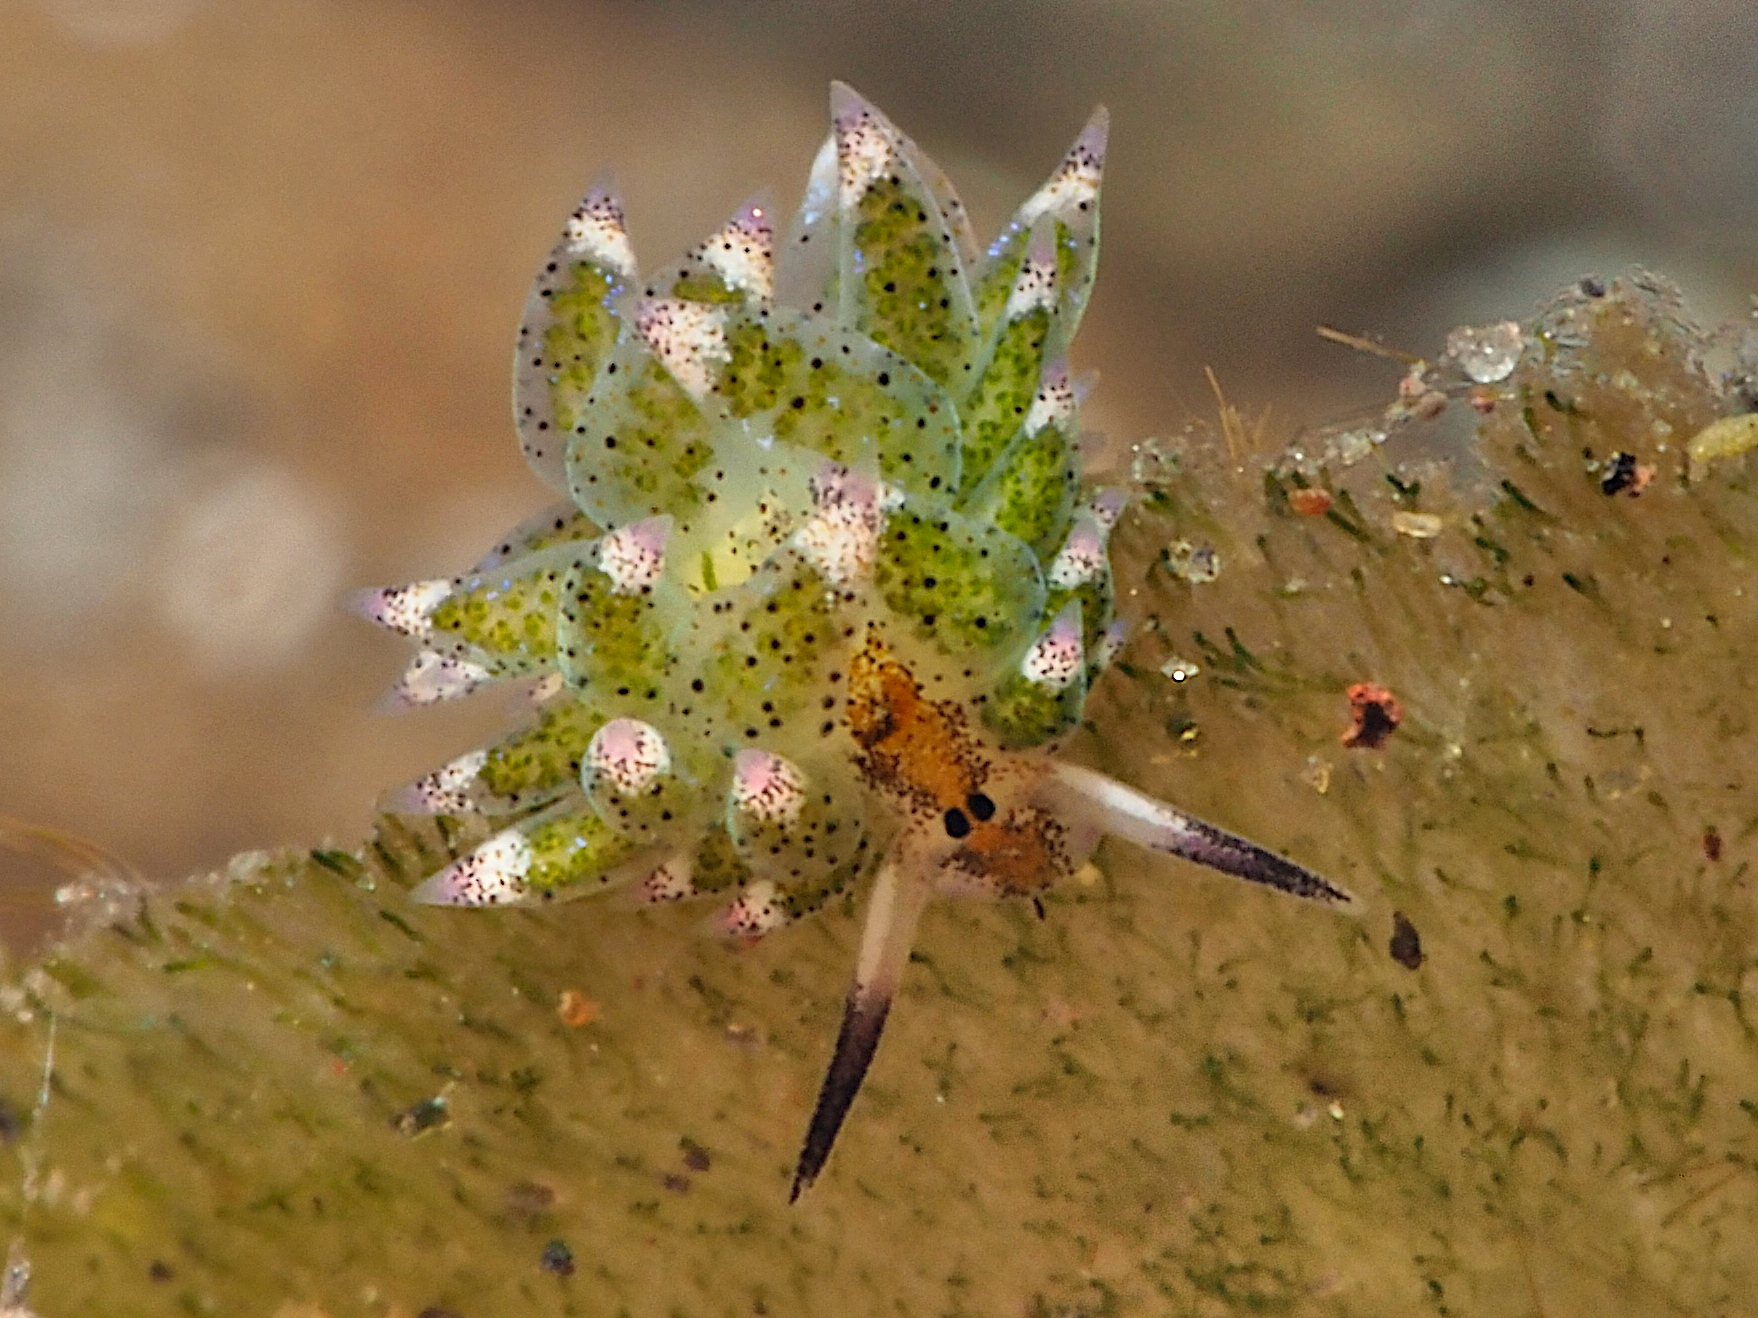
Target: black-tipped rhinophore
(863, 1018)
(1245, 859)
(1120, 810)
(900, 892)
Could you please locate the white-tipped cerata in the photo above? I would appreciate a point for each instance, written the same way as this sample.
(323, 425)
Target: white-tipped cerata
(841, 538)
(821, 185)
(809, 254)
(492, 875)
(1056, 657)
(431, 678)
(1075, 183)
(756, 911)
(667, 882)
(1055, 401)
(627, 755)
(767, 787)
(1082, 556)
(546, 688)
(445, 791)
(633, 556)
(688, 338)
(407, 610)
(1107, 507)
(865, 144)
(598, 232)
(1112, 643)
(743, 252)
(1035, 284)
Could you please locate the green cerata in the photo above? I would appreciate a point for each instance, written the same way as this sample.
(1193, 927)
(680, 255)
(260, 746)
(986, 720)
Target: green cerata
(827, 589)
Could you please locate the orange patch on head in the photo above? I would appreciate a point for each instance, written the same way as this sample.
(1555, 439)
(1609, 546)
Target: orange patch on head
(914, 746)
(923, 752)
(1015, 857)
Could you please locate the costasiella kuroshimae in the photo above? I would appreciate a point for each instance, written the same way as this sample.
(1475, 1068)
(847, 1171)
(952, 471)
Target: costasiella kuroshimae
(828, 589)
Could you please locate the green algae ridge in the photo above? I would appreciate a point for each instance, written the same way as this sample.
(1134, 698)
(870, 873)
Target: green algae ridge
(286, 1085)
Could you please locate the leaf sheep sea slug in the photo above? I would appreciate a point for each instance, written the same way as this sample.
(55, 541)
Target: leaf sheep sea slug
(828, 587)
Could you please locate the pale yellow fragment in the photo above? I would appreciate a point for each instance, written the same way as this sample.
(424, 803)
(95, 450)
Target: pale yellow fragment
(1726, 438)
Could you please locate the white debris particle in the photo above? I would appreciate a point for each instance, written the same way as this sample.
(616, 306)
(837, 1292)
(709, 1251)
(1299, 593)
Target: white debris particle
(1179, 670)
(1486, 353)
(1197, 564)
(1418, 526)
(1155, 463)
(1351, 446)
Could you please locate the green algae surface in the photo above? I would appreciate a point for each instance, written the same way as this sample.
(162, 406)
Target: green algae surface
(1523, 1083)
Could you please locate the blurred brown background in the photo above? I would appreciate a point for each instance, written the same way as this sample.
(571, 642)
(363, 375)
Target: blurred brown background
(260, 264)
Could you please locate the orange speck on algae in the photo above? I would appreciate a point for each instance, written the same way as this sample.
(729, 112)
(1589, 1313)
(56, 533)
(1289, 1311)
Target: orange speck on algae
(576, 1009)
(1375, 714)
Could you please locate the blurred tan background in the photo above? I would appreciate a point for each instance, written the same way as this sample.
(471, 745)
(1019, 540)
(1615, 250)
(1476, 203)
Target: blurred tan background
(261, 260)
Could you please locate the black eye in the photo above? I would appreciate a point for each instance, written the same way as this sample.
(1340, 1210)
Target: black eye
(980, 806)
(956, 824)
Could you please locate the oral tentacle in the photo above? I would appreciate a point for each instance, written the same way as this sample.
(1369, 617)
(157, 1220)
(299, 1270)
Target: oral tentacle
(899, 895)
(1123, 812)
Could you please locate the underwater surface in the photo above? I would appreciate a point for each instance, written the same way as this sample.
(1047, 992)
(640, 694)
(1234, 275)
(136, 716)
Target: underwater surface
(1478, 657)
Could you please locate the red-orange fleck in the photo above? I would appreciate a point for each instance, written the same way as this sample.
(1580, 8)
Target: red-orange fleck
(1374, 715)
(576, 1009)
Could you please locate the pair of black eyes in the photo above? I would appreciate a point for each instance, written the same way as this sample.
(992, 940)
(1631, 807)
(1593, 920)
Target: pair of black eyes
(958, 824)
